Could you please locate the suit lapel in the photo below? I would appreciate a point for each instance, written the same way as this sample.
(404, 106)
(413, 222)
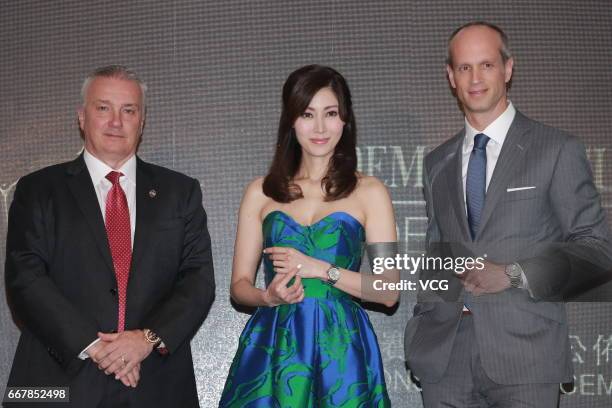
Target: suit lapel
(512, 152)
(82, 189)
(146, 193)
(455, 185)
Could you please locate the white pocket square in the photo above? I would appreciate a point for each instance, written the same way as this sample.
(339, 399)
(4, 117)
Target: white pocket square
(509, 190)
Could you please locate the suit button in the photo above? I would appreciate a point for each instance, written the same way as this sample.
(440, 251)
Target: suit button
(113, 291)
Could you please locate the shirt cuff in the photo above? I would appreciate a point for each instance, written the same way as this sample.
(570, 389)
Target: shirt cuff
(83, 355)
(525, 283)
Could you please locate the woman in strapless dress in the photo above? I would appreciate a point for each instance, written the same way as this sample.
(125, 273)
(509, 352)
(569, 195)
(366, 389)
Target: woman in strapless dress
(310, 343)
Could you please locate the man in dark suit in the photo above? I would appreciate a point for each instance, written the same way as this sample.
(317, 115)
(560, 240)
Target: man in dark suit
(109, 269)
(520, 195)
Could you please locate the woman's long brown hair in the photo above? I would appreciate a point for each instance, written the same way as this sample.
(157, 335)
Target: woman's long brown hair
(299, 89)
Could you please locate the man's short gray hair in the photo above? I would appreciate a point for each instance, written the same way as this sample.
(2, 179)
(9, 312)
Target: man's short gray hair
(113, 71)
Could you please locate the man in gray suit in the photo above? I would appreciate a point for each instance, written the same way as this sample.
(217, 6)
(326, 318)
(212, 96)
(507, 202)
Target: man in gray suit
(521, 195)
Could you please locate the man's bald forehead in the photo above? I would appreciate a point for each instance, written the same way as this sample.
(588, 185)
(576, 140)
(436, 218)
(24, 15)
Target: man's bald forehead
(504, 49)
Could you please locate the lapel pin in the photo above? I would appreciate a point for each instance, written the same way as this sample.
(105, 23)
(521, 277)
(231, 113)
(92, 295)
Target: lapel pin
(153, 193)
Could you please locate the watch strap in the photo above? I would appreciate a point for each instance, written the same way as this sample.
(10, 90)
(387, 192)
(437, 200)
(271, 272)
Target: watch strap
(515, 274)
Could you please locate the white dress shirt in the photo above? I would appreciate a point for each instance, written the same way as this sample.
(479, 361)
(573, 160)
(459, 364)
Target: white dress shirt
(496, 131)
(98, 171)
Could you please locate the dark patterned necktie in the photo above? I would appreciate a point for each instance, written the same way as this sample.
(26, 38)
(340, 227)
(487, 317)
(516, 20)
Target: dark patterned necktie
(476, 183)
(119, 239)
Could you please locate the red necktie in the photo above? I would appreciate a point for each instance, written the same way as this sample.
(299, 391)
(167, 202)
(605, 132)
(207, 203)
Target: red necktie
(119, 239)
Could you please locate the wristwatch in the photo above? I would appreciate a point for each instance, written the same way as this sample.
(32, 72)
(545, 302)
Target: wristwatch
(515, 274)
(151, 337)
(333, 274)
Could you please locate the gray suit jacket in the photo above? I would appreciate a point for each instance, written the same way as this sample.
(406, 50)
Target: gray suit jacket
(557, 231)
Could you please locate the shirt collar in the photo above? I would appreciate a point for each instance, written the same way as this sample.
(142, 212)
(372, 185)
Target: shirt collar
(98, 169)
(496, 131)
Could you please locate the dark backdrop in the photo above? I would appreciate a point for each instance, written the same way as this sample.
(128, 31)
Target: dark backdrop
(215, 70)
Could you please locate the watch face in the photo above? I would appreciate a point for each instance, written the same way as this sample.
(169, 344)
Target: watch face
(333, 274)
(515, 270)
(151, 337)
